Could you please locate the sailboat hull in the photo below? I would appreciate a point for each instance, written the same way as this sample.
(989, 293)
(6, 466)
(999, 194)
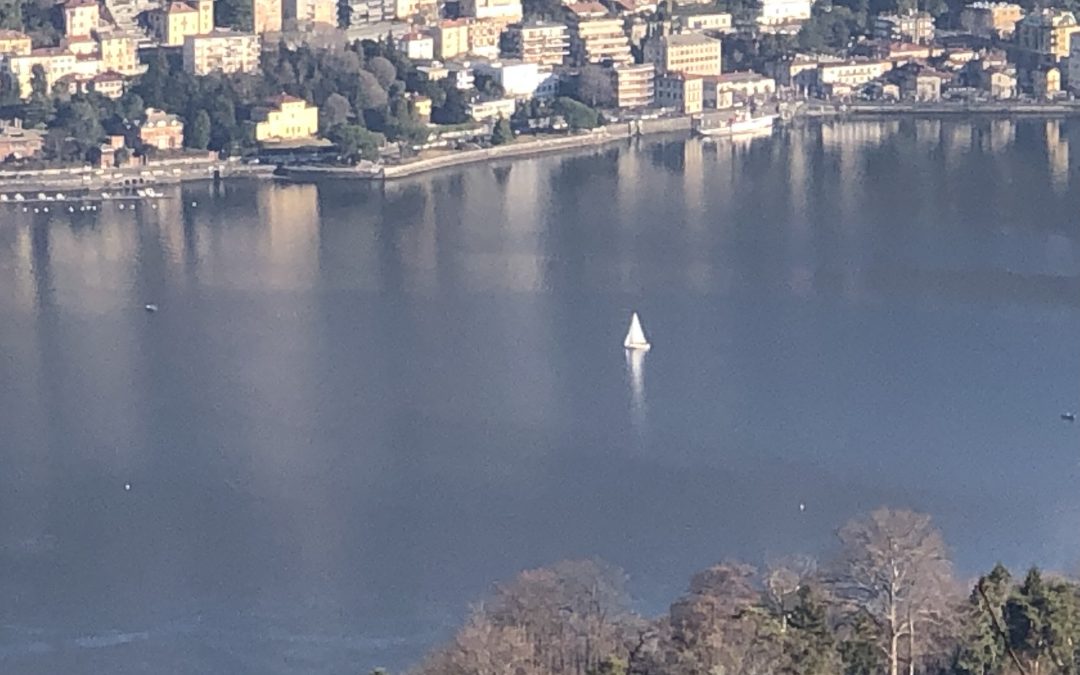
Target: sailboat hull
(637, 346)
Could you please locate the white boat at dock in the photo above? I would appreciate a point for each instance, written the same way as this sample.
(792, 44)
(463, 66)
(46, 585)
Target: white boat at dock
(739, 124)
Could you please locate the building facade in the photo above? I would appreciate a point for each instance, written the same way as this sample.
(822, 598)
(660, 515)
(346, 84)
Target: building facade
(222, 51)
(267, 16)
(634, 84)
(290, 119)
(55, 62)
(503, 11)
(595, 40)
(490, 110)
(1047, 33)
(684, 93)
(544, 43)
(17, 142)
(484, 38)
(451, 38)
(721, 21)
(81, 18)
(915, 27)
(15, 43)
(775, 13)
(119, 53)
(311, 11)
(177, 20)
(417, 46)
(691, 53)
(745, 85)
(161, 130)
(991, 19)
(851, 73)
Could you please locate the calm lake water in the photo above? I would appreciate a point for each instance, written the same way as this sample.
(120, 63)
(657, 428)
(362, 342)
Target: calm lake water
(358, 406)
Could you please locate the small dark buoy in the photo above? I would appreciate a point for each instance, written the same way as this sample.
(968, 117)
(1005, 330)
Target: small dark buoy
(1068, 417)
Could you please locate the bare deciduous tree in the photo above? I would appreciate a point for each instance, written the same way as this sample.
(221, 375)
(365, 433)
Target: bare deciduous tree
(894, 567)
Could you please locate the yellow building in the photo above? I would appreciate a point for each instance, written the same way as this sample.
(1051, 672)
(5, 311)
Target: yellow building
(451, 38)
(683, 92)
(291, 119)
(1046, 33)
(691, 53)
(177, 20)
(484, 38)
(14, 42)
(421, 105)
(1046, 82)
(223, 51)
(991, 19)
(81, 17)
(54, 61)
(266, 16)
(311, 11)
(119, 53)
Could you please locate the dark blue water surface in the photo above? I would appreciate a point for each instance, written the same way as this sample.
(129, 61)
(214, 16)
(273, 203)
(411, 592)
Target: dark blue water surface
(358, 406)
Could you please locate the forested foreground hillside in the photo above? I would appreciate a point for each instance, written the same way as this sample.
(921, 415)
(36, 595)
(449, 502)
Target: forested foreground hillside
(886, 601)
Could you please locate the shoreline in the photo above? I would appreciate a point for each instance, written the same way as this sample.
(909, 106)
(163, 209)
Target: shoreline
(76, 179)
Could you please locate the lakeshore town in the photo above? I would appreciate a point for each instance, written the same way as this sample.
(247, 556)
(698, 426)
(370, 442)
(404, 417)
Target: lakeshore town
(136, 83)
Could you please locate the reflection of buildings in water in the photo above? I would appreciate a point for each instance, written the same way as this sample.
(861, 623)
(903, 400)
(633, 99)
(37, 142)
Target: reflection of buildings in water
(407, 231)
(957, 139)
(798, 150)
(1002, 134)
(290, 218)
(694, 182)
(927, 134)
(501, 230)
(1057, 154)
(17, 278)
(169, 215)
(849, 141)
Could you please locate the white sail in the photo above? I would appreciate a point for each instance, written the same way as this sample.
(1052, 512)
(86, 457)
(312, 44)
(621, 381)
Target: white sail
(635, 337)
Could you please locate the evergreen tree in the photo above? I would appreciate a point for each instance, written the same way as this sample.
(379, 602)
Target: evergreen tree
(502, 133)
(198, 132)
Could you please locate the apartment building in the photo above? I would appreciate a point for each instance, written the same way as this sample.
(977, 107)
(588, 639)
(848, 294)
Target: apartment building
(223, 51)
(991, 19)
(596, 37)
(118, 53)
(451, 38)
(311, 11)
(912, 26)
(267, 16)
(539, 42)
(1046, 33)
(690, 53)
(681, 91)
(81, 18)
(634, 84)
(774, 14)
(484, 38)
(503, 11)
(175, 21)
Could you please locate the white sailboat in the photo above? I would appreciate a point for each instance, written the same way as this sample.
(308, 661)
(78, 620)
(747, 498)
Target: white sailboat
(635, 337)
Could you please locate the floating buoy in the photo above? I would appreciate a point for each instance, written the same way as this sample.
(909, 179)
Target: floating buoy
(127, 486)
(194, 203)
